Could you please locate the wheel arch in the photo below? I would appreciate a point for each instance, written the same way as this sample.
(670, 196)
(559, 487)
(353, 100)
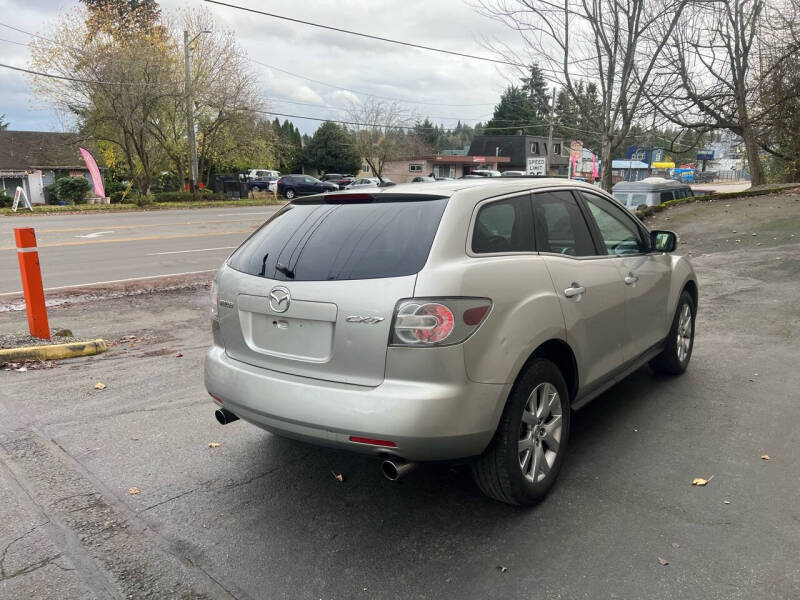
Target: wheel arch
(691, 287)
(559, 353)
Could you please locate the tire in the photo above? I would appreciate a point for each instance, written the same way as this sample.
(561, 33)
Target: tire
(506, 470)
(289, 193)
(677, 352)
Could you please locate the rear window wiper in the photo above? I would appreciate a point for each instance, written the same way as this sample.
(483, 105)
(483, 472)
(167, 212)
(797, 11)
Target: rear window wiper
(285, 270)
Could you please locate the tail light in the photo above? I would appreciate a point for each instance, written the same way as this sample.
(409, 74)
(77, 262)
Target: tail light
(425, 322)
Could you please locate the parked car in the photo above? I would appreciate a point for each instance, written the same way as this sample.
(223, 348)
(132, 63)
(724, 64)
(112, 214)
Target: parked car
(341, 181)
(263, 184)
(303, 185)
(259, 173)
(364, 182)
(363, 321)
(438, 178)
(513, 173)
(650, 191)
(486, 172)
(423, 179)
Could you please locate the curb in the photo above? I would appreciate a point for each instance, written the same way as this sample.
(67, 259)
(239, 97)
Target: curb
(54, 351)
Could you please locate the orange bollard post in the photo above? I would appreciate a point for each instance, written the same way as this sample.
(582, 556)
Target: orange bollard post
(31, 274)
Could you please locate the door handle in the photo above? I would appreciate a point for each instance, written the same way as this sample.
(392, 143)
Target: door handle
(574, 290)
(631, 279)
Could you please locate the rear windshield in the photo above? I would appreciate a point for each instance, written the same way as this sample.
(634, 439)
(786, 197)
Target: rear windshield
(317, 241)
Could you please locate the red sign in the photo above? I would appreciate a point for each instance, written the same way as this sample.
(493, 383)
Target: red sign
(478, 159)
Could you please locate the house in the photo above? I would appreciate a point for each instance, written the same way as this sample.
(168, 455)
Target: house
(35, 159)
(454, 166)
(526, 152)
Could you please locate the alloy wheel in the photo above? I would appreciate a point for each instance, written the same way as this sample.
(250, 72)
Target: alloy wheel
(684, 336)
(540, 432)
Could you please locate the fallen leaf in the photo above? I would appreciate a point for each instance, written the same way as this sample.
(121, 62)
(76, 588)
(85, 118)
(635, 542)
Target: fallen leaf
(662, 562)
(133, 491)
(726, 501)
(214, 444)
(178, 355)
(700, 481)
(676, 545)
(338, 477)
(502, 569)
(765, 457)
(99, 385)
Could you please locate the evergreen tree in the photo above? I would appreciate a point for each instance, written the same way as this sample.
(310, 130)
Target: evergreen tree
(513, 113)
(331, 150)
(535, 88)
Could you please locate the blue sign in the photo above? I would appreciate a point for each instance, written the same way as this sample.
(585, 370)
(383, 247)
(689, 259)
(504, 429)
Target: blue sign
(640, 153)
(658, 155)
(705, 155)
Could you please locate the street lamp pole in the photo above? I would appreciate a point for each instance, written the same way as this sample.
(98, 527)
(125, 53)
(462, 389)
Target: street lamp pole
(187, 57)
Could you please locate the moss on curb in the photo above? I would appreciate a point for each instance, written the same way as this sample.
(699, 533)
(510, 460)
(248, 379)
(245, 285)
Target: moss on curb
(644, 212)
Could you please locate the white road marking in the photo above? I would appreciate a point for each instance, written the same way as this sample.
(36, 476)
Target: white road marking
(79, 285)
(185, 251)
(96, 234)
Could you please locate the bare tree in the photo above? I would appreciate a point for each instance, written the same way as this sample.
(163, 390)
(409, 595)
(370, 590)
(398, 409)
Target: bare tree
(378, 137)
(709, 73)
(614, 43)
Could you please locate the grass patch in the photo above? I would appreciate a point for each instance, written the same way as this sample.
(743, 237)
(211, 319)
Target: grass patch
(643, 212)
(45, 209)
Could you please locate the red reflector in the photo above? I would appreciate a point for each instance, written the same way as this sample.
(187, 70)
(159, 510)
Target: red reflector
(218, 399)
(361, 440)
(473, 316)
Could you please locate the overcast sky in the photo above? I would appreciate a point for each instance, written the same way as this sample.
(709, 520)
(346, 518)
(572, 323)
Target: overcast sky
(434, 82)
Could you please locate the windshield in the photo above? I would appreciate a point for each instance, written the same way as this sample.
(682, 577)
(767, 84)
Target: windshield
(318, 241)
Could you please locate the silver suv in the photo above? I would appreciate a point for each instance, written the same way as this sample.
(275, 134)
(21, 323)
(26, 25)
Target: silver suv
(448, 320)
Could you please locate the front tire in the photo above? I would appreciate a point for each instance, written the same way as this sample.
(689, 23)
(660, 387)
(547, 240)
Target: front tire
(290, 194)
(522, 461)
(677, 352)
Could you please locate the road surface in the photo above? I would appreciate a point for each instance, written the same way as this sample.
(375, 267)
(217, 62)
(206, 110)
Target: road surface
(83, 249)
(116, 493)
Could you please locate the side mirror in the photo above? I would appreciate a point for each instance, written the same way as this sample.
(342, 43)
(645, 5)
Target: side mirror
(663, 241)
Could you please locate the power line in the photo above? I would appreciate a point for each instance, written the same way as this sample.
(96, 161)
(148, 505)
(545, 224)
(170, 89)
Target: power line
(368, 36)
(13, 42)
(77, 79)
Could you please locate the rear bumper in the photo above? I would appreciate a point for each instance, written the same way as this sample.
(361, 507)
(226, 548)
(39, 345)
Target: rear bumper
(427, 421)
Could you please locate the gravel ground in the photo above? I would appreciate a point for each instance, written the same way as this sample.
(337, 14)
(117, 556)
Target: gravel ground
(20, 340)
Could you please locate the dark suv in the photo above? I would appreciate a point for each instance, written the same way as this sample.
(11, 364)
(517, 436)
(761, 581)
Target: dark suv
(303, 185)
(341, 180)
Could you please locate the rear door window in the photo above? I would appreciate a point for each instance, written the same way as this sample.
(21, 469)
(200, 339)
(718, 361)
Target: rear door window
(504, 226)
(318, 241)
(560, 226)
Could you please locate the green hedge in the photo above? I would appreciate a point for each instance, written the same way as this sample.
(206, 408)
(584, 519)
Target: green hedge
(200, 196)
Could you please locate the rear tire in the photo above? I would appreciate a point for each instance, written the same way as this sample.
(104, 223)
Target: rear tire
(289, 193)
(677, 352)
(523, 460)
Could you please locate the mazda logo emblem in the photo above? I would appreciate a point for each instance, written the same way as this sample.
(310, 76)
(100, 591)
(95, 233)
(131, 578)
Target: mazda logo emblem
(279, 299)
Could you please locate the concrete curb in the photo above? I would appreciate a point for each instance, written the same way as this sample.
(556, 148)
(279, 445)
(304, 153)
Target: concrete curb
(54, 351)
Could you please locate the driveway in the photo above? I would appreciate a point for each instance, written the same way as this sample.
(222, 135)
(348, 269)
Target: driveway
(117, 493)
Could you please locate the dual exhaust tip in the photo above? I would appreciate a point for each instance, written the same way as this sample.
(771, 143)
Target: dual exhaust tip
(392, 468)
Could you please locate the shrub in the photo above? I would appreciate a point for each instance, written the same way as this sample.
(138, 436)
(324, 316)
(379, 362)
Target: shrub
(5, 200)
(166, 182)
(72, 190)
(199, 196)
(50, 194)
(138, 198)
(115, 190)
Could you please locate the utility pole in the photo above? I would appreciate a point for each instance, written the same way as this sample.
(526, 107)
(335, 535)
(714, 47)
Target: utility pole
(187, 57)
(549, 149)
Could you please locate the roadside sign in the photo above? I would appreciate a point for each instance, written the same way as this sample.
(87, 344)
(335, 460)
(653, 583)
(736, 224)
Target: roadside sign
(21, 193)
(537, 165)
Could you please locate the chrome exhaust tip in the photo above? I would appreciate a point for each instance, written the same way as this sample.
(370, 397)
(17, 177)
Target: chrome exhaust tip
(225, 416)
(394, 469)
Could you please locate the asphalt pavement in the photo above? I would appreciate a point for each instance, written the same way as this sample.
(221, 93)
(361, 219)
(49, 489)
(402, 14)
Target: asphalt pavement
(117, 493)
(83, 249)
